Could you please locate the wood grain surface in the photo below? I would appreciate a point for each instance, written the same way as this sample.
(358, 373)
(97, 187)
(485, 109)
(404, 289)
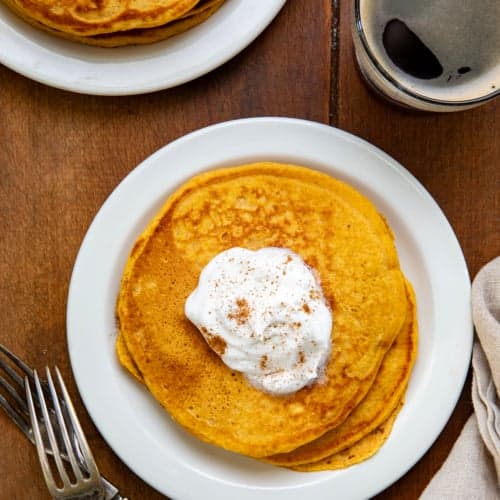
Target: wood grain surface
(62, 154)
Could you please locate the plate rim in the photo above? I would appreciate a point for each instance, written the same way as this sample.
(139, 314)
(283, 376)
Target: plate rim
(271, 123)
(35, 69)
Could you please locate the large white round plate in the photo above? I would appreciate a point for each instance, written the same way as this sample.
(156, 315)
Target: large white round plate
(133, 70)
(136, 427)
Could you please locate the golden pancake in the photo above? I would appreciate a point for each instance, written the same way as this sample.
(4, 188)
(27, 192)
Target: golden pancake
(368, 426)
(139, 36)
(91, 17)
(363, 449)
(383, 397)
(334, 228)
(150, 35)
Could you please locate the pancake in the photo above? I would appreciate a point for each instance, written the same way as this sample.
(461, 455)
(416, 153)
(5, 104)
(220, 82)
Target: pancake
(91, 17)
(156, 34)
(358, 452)
(368, 426)
(382, 399)
(139, 36)
(334, 228)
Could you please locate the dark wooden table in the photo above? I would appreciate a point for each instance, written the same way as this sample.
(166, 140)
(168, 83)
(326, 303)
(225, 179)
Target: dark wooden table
(61, 155)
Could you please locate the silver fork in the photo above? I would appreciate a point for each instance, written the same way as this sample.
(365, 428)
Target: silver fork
(87, 481)
(16, 408)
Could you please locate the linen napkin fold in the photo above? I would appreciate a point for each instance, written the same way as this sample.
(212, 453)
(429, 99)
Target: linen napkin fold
(472, 470)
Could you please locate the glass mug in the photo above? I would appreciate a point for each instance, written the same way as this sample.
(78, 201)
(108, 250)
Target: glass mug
(431, 55)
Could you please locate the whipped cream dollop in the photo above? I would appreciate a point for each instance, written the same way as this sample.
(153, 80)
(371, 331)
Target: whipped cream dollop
(265, 314)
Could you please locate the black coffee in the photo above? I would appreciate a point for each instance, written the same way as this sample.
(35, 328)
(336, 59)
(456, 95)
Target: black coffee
(446, 50)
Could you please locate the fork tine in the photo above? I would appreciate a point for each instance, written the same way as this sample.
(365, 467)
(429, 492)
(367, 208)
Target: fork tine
(15, 408)
(63, 428)
(50, 432)
(14, 394)
(17, 414)
(71, 413)
(47, 473)
(16, 417)
(11, 372)
(17, 361)
(26, 369)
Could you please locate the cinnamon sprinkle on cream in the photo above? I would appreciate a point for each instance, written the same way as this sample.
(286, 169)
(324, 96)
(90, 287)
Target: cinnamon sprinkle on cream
(263, 361)
(242, 312)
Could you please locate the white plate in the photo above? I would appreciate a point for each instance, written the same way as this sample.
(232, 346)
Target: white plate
(133, 70)
(135, 426)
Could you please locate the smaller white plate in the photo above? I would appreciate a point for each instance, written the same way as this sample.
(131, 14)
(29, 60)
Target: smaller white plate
(136, 427)
(133, 70)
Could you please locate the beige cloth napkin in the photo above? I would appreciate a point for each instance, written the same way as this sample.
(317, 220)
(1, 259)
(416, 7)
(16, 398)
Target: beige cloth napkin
(472, 470)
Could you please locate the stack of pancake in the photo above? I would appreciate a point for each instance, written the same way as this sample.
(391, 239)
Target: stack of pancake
(342, 418)
(114, 23)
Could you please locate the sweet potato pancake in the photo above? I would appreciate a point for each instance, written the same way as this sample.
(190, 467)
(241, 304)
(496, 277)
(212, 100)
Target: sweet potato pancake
(369, 424)
(116, 24)
(140, 36)
(334, 228)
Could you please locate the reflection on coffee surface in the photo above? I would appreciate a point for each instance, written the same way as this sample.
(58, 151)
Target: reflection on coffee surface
(408, 53)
